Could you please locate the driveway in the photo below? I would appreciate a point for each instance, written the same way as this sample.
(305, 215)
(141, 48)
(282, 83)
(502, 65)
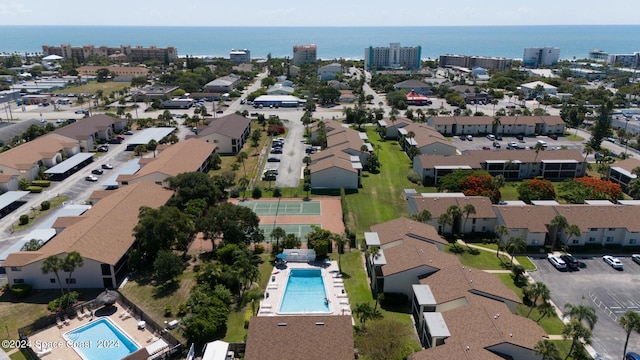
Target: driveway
(610, 292)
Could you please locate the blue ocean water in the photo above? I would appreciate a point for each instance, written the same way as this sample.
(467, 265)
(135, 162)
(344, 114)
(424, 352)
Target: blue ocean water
(335, 42)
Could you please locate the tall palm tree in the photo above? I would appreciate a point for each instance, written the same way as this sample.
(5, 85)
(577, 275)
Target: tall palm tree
(536, 291)
(456, 213)
(70, 263)
(423, 216)
(558, 223)
(340, 241)
(445, 219)
(241, 157)
(53, 264)
(278, 233)
(467, 210)
(539, 146)
(364, 312)
(500, 230)
(547, 349)
(575, 331)
(516, 244)
(588, 150)
(581, 313)
(633, 189)
(545, 309)
(630, 322)
(572, 230)
(495, 124)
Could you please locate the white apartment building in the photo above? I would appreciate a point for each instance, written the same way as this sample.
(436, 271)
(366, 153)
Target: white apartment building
(240, 56)
(304, 54)
(540, 56)
(392, 57)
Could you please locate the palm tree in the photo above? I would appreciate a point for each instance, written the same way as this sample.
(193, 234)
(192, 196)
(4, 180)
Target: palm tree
(495, 124)
(539, 146)
(581, 313)
(444, 219)
(588, 150)
(243, 183)
(547, 349)
(516, 244)
(558, 223)
(410, 135)
(575, 331)
(535, 291)
(423, 216)
(71, 262)
(636, 171)
(340, 241)
(365, 312)
(633, 189)
(467, 210)
(545, 309)
(572, 230)
(500, 230)
(456, 213)
(630, 322)
(53, 264)
(241, 157)
(277, 233)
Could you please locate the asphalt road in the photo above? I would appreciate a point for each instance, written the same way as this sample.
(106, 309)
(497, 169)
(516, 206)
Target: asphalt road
(611, 292)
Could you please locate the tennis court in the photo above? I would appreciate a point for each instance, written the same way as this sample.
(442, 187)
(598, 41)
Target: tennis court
(283, 208)
(299, 229)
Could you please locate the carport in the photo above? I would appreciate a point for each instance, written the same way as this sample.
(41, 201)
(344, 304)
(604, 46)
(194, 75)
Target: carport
(10, 201)
(69, 166)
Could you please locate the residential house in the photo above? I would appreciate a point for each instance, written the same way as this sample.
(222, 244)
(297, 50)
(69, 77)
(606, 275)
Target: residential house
(92, 129)
(537, 89)
(417, 86)
(24, 161)
(317, 337)
(347, 96)
(191, 155)
(120, 73)
(426, 139)
(503, 125)
(513, 165)
(483, 220)
(526, 221)
(228, 133)
(280, 89)
(329, 72)
(151, 92)
(621, 172)
(335, 169)
(223, 84)
(390, 129)
(103, 236)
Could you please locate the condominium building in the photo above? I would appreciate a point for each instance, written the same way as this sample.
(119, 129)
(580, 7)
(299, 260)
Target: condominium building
(540, 56)
(392, 57)
(304, 54)
(240, 56)
(469, 62)
(624, 60)
(133, 54)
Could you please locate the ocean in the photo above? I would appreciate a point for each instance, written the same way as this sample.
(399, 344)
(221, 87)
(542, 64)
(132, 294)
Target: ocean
(574, 41)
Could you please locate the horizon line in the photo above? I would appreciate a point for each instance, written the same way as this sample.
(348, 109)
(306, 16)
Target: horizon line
(312, 26)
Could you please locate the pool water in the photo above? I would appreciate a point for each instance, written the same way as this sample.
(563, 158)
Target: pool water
(101, 340)
(305, 292)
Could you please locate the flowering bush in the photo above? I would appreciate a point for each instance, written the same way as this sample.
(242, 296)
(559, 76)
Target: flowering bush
(536, 189)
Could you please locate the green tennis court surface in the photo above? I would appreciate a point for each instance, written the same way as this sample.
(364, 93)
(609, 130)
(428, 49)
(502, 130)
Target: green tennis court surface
(284, 208)
(299, 229)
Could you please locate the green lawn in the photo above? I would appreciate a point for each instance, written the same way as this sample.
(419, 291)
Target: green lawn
(92, 86)
(480, 259)
(526, 263)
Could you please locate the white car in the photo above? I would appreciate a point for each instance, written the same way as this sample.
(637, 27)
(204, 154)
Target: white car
(636, 258)
(557, 262)
(91, 178)
(614, 262)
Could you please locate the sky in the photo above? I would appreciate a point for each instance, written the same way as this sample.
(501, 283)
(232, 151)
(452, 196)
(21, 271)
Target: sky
(318, 13)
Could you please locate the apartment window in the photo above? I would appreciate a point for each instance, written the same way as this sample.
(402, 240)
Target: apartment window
(70, 281)
(16, 268)
(609, 239)
(18, 281)
(633, 241)
(592, 239)
(484, 228)
(534, 242)
(473, 229)
(106, 269)
(611, 229)
(575, 241)
(593, 229)
(52, 280)
(473, 221)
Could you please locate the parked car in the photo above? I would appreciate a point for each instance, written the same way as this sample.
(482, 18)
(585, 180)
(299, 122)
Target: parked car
(512, 145)
(614, 262)
(276, 150)
(462, 137)
(103, 148)
(486, 148)
(632, 356)
(469, 138)
(107, 166)
(498, 137)
(496, 145)
(636, 258)
(491, 137)
(97, 171)
(114, 141)
(571, 261)
(553, 136)
(82, 111)
(557, 262)
(91, 178)
(128, 132)
(310, 150)
(520, 137)
(273, 159)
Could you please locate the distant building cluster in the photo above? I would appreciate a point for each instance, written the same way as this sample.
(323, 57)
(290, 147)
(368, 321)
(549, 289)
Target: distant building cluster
(240, 56)
(624, 60)
(488, 63)
(540, 56)
(118, 54)
(392, 57)
(304, 54)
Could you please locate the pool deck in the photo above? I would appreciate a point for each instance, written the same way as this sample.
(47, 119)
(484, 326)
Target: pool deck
(54, 335)
(334, 286)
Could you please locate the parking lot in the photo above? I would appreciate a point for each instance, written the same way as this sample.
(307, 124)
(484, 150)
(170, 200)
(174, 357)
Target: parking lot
(481, 141)
(611, 292)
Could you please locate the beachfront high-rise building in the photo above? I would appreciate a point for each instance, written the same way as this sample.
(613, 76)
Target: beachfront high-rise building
(392, 57)
(469, 62)
(624, 60)
(240, 56)
(540, 56)
(136, 54)
(304, 54)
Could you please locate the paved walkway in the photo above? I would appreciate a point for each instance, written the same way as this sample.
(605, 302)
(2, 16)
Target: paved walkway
(587, 347)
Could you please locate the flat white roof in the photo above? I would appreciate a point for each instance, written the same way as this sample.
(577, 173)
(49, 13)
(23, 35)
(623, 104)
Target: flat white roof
(43, 235)
(146, 135)
(69, 164)
(130, 168)
(363, 136)
(371, 239)
(560, 161)
(629, 202)
(513, 203)
(216, 350)
(452, 167)
(443, 195)
(423, 294)
(10, 197)
(435, 322)
(623, 172)
(598, 202)
(544, 202)
(380, 259)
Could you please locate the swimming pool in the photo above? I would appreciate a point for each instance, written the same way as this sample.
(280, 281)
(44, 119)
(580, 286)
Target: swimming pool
(305, 293)
(100, 340)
